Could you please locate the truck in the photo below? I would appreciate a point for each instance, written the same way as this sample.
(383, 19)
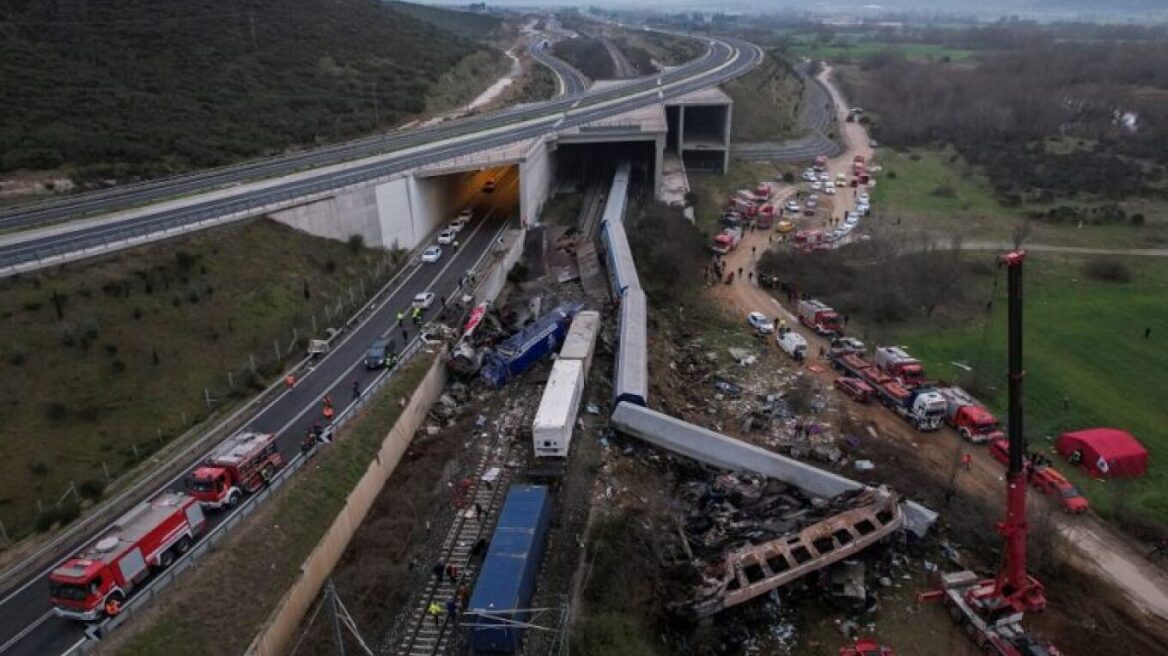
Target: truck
(727, 240)
(818, 316)
(517, 353)
(820, 163)
(1043, 476)
(896, 362)
(971, 419)
(765, 217)
(500, 604)
(764, 191)
(858, 165)
(923, 407)
(241, 465)
(551, 432)
(792, 343)
(98, 580)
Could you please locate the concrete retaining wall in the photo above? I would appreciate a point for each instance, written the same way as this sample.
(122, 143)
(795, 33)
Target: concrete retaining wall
(536, 173)
(351, 212)
(284, 624)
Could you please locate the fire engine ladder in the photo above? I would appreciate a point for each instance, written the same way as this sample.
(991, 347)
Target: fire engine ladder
(422, 636)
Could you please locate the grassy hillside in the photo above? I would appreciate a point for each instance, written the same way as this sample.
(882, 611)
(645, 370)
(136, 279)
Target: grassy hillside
(766, 103)
(115, 372)
(128, 88)
(467, 24)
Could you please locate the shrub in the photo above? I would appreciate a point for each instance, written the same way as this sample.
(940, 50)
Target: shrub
(58, 515)
(944, 191)
(137, 313)
(91, 489)
(185, 259)
(110, 349)
(789, 177)
(892, 175)
(57, 411)
(1137, 219)
(18, 356)
(38, 469)
(356, 244)
(118, 366)
(1107, 270)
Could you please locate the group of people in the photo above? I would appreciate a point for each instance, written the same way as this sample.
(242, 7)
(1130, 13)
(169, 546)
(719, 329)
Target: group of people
(458, 601)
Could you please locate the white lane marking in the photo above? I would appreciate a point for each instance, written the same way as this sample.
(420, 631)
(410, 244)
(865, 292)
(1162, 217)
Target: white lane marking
(27, 630)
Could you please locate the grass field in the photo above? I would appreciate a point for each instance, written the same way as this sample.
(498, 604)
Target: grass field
(251, 571)
(713, 189)
(935, 190)
(766, 104)
(1087, 364)
(122, 369)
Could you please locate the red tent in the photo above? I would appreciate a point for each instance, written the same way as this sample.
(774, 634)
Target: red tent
(1105, 452)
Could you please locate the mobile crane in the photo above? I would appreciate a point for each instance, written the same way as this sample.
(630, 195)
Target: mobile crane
(991, 610)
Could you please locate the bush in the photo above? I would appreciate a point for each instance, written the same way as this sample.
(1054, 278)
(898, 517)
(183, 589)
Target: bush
(1107, 270)
(58, 515)
(57, 411)
(118, 366)
(892, 175)
(91, 489)
(1137, 219)
(944, 191)
(356, 244)
(18, 356)
(789, 177)
(38, 469)
(185, 259)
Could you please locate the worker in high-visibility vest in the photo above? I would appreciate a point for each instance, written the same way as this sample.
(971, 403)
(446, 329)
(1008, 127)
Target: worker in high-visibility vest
(289, 381)
(113, 606)
(328, 411)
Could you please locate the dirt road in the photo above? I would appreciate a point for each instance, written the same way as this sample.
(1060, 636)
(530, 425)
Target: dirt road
(1097, 547)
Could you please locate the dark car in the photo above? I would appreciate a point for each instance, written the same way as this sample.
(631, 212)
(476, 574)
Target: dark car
(854, 388)
(381, 354)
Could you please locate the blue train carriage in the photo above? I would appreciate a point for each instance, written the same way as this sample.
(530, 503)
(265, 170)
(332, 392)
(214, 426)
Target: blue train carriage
(632, 368)
(506, 582)
(519, 352)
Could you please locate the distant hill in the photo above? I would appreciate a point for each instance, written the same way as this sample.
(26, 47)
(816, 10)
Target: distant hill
(125, 88)
(467, 24)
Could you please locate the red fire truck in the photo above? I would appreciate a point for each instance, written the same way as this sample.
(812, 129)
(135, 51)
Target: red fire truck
(242, 464)
(98, 580)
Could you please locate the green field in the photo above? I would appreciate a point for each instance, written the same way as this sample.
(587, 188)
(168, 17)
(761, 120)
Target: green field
(836, 51)
(935, 190)
(1087, 364)
(122, 368)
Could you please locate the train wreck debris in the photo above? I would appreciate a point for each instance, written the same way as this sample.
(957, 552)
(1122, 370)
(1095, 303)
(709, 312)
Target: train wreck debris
(746, 535)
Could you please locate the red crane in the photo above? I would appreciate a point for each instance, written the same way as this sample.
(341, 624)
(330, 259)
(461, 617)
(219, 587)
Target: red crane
(991, 610)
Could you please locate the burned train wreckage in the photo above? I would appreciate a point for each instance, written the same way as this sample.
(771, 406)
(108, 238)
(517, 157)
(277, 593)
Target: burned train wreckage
(746, 535)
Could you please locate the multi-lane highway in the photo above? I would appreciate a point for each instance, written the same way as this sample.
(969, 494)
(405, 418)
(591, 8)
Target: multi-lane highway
(724, 60)
(292, 414)
(26, 623)
(572, 81)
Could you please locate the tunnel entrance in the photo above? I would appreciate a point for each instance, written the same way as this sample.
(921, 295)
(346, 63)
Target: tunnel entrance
(412, 209)
(581, 166)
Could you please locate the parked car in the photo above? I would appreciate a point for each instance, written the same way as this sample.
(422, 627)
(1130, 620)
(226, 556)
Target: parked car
(816, 186)
(854, 388)
(851, 220)
(824, 176)
(792, 205)
(873, 144)
(841, 178)
(830, 191)
(423, 300)
(760, 322)
(380, 354)
(809, 175)
(447, 236)
(863, 198)
(432, 254)
(785, 225)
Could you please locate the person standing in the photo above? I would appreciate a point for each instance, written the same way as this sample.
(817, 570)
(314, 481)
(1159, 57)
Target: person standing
(435, 611)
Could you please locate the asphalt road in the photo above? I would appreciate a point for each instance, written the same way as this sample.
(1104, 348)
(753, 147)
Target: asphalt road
(128, 196)
(292, 414)
(573, 80)
(26, 623)
(816, 116)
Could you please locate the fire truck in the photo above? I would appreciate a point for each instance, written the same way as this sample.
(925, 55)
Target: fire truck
(241, 465)
(98, 580)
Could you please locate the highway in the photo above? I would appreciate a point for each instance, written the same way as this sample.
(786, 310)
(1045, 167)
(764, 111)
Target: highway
(572, 82)
(294, 412)
(128, 196)
(816, 117)
(725, 59)
(26, 623)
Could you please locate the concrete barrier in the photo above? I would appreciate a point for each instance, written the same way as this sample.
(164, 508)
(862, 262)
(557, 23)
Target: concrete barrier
(726, 452)
(283, 625)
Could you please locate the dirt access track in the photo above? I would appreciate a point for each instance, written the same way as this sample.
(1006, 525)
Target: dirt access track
(1095, 546)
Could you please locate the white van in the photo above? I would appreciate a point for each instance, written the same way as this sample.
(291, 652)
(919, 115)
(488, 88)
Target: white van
(792, 344)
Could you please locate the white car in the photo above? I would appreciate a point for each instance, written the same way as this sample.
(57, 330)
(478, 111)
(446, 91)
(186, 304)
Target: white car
(760, 322)
(809, 175)
(814, 197)
(423, 301)
(830, 191)
(432, 254)
(792, 206)
(464, 218)
(863, 210)
(824, 176)
(447, 236)
(863, 199)
(816, 186)
(851, 220)
(841, 179)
